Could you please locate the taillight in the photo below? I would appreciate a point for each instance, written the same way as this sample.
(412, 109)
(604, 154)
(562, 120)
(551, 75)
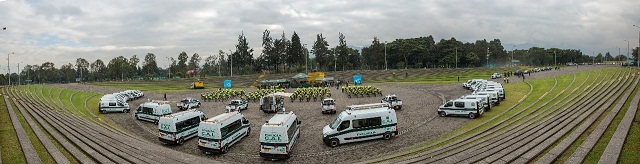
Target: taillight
(287, 148)
(174, 136)
(219, 145)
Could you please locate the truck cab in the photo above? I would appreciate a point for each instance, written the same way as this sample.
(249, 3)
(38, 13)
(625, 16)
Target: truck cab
(393, 101)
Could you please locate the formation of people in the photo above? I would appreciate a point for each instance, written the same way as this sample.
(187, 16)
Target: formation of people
(361, 91)
(314, 93)
(222, 94)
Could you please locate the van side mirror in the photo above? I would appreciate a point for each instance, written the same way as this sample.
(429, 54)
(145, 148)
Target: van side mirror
(245, 121)
(299, 122)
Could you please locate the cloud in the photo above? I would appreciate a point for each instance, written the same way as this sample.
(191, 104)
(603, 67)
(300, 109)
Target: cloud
(63, 30)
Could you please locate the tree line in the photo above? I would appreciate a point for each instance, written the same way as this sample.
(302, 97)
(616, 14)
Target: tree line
(283, 54)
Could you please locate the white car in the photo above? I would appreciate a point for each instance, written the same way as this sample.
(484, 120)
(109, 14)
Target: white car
(496, 75)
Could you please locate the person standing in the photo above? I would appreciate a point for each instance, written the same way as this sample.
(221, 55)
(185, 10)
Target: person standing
(165, 96)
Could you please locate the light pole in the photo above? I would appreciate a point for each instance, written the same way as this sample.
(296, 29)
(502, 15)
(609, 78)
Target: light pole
(9, 68)
(169, 66)
(456, 57)
(627, 48)
(638, 57)
(306, 57)
(487, 57)
(512, 52)
(555, 59)
(19, 73)
(335, 61)
(385, 55)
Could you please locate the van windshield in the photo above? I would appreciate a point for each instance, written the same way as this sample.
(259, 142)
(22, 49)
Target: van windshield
(335, 123)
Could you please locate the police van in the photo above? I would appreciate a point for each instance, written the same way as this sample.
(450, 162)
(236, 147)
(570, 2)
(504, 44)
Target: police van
(278, 135)
(112, 103)
(152, 111)
(493, 95)
(217, 134)
(484, 100)
(360, 123)
(461, 107)
(181, 126)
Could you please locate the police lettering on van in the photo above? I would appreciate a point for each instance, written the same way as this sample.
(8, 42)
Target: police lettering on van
(217, 134)
(360, 123)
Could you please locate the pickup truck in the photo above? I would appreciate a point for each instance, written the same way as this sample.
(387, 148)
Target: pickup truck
(328, 105)
(188, 103)
(237, 104)
(393, 101)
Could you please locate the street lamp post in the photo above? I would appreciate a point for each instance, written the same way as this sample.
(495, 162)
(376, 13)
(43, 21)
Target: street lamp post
(335, 61)
(169, 67)
(555, 59)
(487, 56)
(19, 73)
(306, 57)
(638, 57)
(9, 68)
(627, 48)
(512, 52)
(385, 55)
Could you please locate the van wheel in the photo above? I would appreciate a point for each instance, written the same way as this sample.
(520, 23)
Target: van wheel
(224, 149)
(442, 114)
(137, 117)
(472, 115)
(248, 131)
(125, 111)
(155, 122)
(180, 141)
(386, 136)
(334, 142)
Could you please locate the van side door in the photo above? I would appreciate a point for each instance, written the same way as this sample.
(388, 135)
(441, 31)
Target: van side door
(344, 129)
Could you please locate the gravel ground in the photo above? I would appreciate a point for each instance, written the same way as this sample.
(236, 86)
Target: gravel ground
(417, 121)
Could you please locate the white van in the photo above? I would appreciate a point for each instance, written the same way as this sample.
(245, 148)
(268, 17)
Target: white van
(110, 103)
(152, 111)
(361, 122)
(492, 94)
(484, 100)
(181, 126)
(461, 107)
(219, 133)
(501, 95)
(278, 135)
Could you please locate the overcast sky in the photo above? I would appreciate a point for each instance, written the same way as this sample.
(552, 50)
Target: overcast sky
(63, 30)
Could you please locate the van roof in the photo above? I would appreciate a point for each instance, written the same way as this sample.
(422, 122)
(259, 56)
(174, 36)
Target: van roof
(222, 117)
(182, 113)
(466, 100)
(367, 106)
(279, 119)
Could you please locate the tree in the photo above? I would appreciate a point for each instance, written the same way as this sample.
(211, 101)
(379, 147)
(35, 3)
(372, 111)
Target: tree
(209, 65)
(243, 57)
(150, 66)
(117, 67)
(82, 66)
(133, 65)
(342, 51)
(321, 50)
(194, 62)
(221, 62)
(182, 63)
(67, 73)
(280, 51)
(295, 52)
(98, 70)
(268, 54)
(48, 72)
